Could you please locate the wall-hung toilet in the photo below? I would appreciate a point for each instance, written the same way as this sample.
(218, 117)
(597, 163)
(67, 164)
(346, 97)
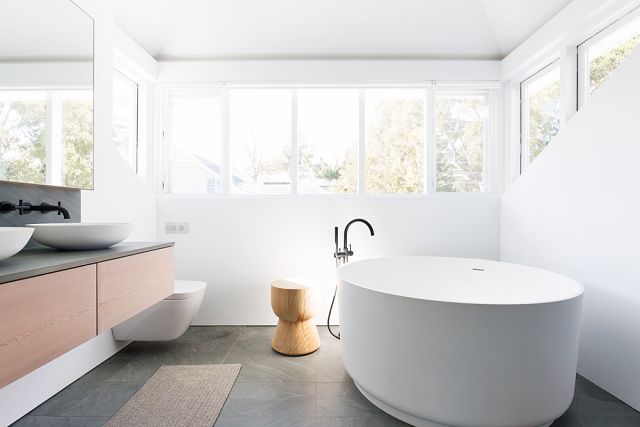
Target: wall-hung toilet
(166, 320)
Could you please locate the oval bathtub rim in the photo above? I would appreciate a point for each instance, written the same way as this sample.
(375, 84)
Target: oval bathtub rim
(578, 295)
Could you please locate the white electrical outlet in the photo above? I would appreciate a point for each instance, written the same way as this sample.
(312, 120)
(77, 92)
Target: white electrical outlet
(176, 227)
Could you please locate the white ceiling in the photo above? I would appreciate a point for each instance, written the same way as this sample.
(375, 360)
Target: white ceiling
(326, 29)
(44, 30)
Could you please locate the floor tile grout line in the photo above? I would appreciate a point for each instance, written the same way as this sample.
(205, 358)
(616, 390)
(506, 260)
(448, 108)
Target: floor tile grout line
(224, 359)
(68, 416)
(315, 400)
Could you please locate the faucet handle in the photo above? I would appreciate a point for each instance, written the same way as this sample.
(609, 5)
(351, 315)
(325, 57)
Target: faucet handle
(23, 207)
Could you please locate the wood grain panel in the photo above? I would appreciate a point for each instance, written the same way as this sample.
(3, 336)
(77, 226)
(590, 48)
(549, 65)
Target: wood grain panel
(294, 304)
(128, 285)
(43, 317)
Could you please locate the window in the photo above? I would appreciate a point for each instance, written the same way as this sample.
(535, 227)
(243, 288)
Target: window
(193, 141)
(540, 104)
(46, 136)
(394, 140)
(328, 135)
(260, 140)
(461, 135)
(327, 140)
(125, 118)
(603, 53)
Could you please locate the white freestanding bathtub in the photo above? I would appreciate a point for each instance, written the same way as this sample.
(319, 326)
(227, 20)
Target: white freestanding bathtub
(460, 342)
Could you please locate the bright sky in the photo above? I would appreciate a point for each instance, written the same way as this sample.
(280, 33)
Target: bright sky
(260, 115)
(195, 125)
(328, 121)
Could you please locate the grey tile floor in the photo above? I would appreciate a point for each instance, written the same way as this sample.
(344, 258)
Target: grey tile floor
(271, 390)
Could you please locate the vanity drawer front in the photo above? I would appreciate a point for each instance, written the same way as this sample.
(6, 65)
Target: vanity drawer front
(127, 286)
(43, 317)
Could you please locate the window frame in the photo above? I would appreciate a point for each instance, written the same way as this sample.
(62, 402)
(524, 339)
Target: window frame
(148, 152)
(359, 144)
(630, 18)
(488, 143)
(492, 89)
(135, 157)
(165, 176)
(524, 108)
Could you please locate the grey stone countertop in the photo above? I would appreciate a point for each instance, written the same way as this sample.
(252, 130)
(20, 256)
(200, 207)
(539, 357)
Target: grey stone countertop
(38, 261)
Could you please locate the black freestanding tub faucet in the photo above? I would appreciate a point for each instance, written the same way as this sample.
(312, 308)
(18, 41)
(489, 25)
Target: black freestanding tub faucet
(344, 254)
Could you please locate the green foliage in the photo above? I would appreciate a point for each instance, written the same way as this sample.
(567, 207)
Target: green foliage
(347, 182)
(77, 143)
(328, 172)
(459, 144)
(601, 67)
(335, 177)
(544, 118)
(395, 151)
(23, 141)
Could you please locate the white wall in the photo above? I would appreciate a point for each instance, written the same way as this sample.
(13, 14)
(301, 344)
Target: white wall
(329, 71)
(576, 211)
(118, 194)
(46, 74)
(239, 245)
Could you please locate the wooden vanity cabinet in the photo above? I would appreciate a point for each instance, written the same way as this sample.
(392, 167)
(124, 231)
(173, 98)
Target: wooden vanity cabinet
(44, 317)
(127, 286)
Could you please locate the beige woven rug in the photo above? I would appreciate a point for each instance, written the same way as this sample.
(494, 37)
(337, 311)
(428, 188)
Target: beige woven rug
(180, 395)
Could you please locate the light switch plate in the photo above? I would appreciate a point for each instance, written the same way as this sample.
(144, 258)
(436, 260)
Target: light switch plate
(176, 227)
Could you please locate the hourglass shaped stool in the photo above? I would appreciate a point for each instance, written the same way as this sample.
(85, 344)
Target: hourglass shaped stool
(294, 304)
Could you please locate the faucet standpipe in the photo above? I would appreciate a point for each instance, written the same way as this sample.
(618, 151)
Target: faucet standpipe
(342, 257)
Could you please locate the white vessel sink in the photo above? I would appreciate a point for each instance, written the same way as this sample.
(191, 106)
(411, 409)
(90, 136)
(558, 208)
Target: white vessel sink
(80, 236)
(13, 239)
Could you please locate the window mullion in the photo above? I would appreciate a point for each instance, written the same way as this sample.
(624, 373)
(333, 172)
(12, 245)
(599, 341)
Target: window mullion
(430, 141)
(361, 142)
(568, 84)
(293, 165)
(54, 139)
(490, 132)
(164, 144)
(225, 167)
(524, 129)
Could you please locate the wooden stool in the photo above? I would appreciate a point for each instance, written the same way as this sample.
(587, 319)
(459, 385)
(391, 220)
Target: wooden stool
(294, 304)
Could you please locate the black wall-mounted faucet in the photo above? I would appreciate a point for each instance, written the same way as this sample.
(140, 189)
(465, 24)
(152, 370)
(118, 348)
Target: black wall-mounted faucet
(346, 252)
(24, 208)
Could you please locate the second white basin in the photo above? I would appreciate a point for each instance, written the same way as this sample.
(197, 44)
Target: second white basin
(13, 239)
(80, 236)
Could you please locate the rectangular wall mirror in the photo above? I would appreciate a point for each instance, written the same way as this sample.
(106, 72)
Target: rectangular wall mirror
(46, 93)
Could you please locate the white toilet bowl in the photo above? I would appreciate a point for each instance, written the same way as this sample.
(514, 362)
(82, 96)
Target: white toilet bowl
(166, 320)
